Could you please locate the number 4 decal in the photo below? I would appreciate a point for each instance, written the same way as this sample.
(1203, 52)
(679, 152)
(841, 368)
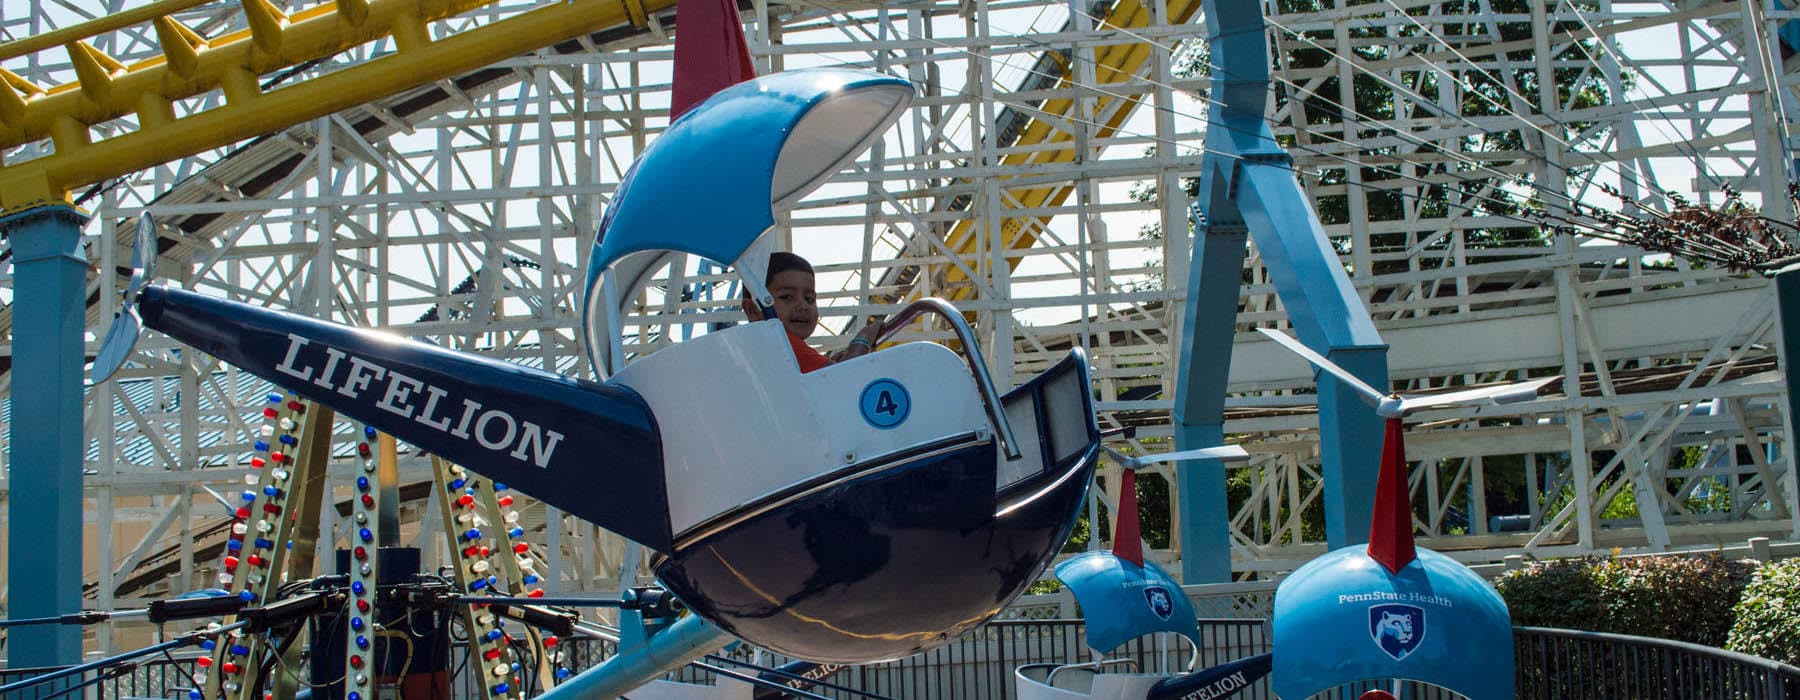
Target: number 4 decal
(885, 403)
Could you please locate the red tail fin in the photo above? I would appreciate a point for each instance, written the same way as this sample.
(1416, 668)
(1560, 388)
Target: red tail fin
(710, 53)
(1390, 530)
(1128, 544)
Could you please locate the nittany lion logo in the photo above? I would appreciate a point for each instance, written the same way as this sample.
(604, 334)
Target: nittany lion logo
(1397, 629)
(1160, 602)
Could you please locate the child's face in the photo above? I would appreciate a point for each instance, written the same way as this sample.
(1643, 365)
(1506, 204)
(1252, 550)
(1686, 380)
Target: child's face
(796, 302)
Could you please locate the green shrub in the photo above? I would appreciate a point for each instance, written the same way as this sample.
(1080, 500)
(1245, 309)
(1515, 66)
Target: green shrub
(1683, 598)
(1768, 616)
(1558, 593)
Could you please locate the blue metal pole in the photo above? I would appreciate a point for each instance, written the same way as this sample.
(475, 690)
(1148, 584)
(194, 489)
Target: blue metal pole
(688, 639)
(1199, 413)
(1787, 312)
(1328, 316)
(44, 506)
(1350, 439)
(1248, 189)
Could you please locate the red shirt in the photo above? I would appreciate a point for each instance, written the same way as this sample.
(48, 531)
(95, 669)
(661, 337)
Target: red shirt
(809, 358)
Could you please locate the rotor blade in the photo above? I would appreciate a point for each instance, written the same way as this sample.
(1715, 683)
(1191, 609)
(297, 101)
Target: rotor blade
(229, 508)
(1524, 391)
(1225, 453)
(116, 347)
(143, 257)
(1499, 394)
(1368, 392)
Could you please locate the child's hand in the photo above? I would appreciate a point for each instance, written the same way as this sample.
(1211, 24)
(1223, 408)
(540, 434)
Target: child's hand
(862, 344)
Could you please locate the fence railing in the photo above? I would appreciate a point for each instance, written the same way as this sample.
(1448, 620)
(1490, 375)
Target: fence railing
(1557, 663)
(1552, 664)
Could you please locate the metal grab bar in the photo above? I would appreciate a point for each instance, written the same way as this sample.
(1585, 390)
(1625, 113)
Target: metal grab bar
(1096, 666)
(971, 351)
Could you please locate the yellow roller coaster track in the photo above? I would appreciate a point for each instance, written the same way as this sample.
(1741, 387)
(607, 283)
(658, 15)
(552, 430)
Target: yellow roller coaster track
(191, 65)
(1114, 65)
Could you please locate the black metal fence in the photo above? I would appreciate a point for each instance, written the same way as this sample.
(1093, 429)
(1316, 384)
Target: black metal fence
(1552, 665)
(1556, 663)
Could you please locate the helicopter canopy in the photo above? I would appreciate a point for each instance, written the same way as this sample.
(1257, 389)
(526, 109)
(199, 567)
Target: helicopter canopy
(1343, 618)
(713, 182)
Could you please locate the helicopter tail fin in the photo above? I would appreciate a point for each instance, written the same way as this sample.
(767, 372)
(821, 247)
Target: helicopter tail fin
(592, 450)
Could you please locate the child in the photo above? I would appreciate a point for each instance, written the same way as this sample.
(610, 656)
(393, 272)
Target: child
(796, 304)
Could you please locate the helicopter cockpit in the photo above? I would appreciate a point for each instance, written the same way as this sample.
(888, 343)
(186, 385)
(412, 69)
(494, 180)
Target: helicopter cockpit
(867, 510)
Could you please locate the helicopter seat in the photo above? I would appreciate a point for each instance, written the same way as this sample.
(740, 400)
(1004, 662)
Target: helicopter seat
(752, 426)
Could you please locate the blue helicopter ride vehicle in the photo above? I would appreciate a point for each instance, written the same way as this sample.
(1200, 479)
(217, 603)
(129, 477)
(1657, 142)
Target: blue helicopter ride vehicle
(893, 502)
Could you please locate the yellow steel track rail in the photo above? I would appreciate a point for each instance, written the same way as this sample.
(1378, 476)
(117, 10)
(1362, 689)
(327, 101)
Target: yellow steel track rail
(1114, 65)
(191, 65)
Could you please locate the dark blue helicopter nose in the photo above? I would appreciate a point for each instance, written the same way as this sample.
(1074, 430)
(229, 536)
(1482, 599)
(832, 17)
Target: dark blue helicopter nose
(873, 568)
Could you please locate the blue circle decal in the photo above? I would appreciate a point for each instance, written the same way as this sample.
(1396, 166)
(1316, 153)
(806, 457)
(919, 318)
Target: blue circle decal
(885, 403)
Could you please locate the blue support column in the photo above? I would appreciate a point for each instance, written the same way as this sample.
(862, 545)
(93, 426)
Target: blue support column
(1205, 362)
(1351, 441)
(1787, 313)
(1328, 316)
(44, 506)
(1248, 189)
